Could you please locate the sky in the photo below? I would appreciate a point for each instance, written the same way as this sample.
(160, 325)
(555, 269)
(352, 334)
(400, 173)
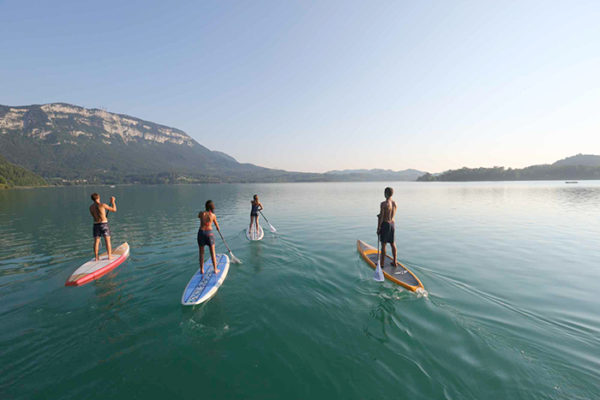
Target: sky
(316, 86)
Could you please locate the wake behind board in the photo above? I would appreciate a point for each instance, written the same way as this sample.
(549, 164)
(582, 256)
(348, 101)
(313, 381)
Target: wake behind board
(399, 275)
(254, 235)
(93, 269)
(204, 286)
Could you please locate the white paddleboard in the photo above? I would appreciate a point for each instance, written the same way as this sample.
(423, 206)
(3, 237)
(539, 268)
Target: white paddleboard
(254, 234)
(204, 286)
(93, 269)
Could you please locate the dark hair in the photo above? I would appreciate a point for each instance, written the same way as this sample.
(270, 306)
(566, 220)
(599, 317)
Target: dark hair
(210, 206)
(388, 192)
(95, 196)
(255, 196)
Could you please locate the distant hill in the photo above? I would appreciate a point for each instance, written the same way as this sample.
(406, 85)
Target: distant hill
(586, 160)
(578, 167)
(13, 175)
(374, 175)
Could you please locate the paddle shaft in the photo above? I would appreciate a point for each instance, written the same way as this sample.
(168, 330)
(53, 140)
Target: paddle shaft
(224, 242)
(263, 215)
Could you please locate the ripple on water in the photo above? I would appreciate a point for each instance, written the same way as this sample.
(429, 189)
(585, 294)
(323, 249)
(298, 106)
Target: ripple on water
(510, 270)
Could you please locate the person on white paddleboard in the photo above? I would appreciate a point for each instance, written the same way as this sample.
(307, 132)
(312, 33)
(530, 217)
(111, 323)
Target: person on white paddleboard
(385, 224)
(101, 229)
(206, 236)
(256, 208)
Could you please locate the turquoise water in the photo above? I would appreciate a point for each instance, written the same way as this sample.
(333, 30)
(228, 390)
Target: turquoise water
(512, 271)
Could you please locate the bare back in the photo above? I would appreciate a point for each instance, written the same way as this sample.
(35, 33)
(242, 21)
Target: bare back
(206, 220)
(388, 210)
(98, 211)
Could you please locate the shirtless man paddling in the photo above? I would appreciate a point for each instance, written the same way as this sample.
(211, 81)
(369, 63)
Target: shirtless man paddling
(385, 225)
(205, 234)
(99, 211)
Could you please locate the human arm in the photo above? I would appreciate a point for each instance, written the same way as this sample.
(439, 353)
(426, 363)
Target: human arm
(216, 223)
(260, 207)
(113, 205)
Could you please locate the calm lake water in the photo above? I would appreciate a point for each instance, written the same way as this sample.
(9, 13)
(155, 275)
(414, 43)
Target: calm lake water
(512, 271)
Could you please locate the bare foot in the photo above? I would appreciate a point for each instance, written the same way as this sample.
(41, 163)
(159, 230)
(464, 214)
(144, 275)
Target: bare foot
(97, 259)
(202, 271)
(217, 271)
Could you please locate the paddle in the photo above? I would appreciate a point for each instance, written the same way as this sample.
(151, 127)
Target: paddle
(234, 259)
(271, 227)
(378, 271)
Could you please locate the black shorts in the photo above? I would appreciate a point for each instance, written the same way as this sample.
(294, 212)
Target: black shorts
(205, 238)
(101, 229)
(386, 232)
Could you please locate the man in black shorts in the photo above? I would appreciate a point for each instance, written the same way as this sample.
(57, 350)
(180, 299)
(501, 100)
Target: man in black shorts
(385, 225)
(99, 211)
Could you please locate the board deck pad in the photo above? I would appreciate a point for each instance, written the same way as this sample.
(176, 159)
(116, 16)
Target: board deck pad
(400, 274)
(254, 234)
(203, 286)
(93, 269)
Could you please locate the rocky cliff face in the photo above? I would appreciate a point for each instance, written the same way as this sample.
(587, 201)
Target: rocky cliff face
(75, 123)
(72, 144)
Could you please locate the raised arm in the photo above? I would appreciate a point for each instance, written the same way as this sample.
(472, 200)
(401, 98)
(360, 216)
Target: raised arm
(260, 206)
(113, 205)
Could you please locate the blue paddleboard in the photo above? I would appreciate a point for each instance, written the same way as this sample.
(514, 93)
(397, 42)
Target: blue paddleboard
(204, 286)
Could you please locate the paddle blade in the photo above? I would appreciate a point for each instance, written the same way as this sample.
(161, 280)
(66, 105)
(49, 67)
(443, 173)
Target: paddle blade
(378, 272)
(272, 228)
(234, 259)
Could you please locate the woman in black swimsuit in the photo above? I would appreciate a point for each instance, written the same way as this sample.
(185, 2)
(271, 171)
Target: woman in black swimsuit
(256, 208)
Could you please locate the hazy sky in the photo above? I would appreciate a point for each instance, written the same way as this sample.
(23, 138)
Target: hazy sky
(313, 86)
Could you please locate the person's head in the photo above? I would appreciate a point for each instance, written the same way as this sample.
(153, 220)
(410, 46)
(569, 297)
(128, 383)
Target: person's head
(95, 197)
(255, 197)
(388, 192)
(210, 206)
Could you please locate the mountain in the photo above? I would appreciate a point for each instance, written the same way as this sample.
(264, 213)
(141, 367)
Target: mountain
(374, 175)
(571, 168)
(587, 160)
(66, 143)
(13, 175)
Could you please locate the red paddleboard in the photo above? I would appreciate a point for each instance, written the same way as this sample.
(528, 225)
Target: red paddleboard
(93, 269)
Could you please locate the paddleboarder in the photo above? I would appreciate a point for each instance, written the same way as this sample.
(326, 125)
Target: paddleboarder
(101, 229)
(205, 234)
(256, 208)
(385, 225)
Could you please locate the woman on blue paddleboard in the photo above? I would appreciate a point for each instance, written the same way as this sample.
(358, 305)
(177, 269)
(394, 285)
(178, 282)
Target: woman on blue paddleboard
(205, 234)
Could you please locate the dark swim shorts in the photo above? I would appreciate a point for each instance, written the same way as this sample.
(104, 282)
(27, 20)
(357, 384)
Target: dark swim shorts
(386, 232)
(205, 238)
(101, 229)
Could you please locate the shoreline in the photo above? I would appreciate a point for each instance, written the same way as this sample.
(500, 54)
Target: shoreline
(291, 182)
